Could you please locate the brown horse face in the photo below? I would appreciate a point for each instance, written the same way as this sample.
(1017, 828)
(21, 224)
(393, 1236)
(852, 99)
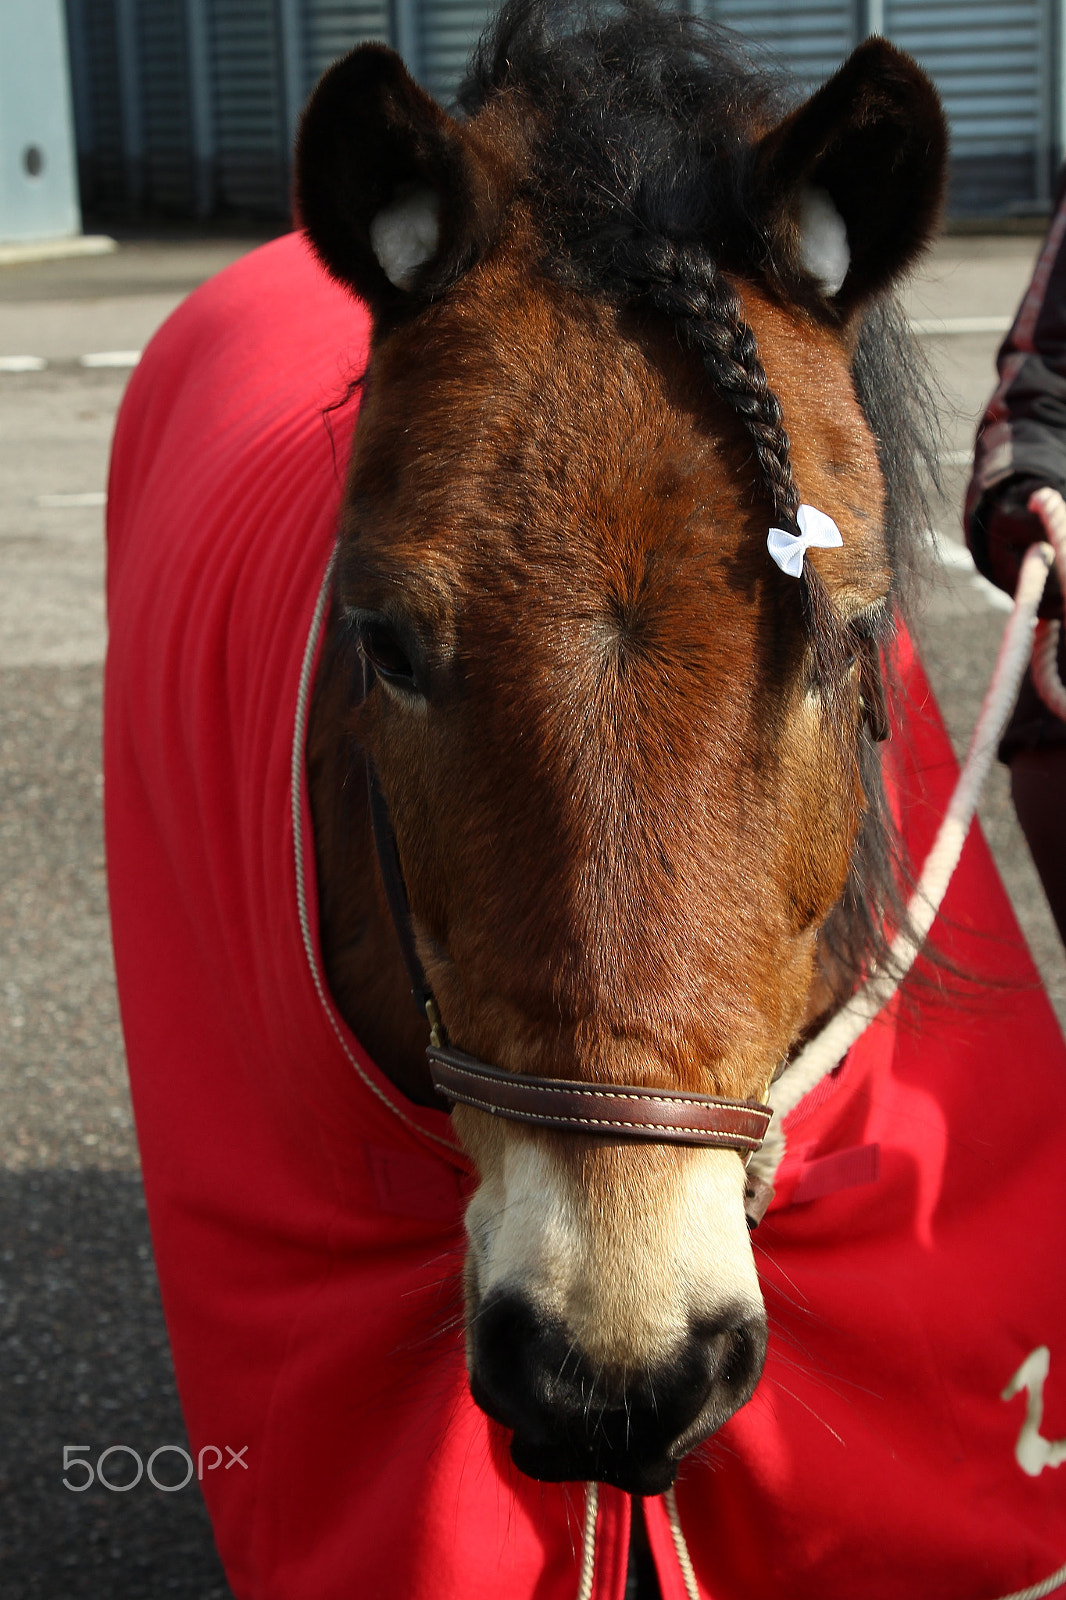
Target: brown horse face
(621, 812)
(623, 806)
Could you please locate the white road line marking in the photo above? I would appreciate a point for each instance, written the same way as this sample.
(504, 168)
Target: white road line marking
(22, 363)
(81, 244)
(110, 358)
(995, 597)
(954, 555)
(59, 502)
(946, 326)
(957, 558)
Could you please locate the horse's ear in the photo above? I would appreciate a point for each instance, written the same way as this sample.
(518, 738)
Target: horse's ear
(392, 193)
(855, 176)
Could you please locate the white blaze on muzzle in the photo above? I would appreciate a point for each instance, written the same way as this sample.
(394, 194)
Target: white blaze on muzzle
(627, 1266)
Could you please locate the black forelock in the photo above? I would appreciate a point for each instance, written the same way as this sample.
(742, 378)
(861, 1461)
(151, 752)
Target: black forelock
(644, 123)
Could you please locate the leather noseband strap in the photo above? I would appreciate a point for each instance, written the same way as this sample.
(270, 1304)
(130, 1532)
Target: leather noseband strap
(610, 1110)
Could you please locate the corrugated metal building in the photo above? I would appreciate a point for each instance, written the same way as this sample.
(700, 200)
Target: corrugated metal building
(189, 106)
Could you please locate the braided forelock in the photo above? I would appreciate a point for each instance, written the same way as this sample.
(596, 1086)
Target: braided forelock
(683, 283)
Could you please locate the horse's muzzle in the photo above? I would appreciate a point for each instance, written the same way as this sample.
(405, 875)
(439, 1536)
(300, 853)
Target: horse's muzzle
(571, 1421)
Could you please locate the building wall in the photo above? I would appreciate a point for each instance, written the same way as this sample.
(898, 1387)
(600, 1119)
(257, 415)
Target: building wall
(38, 193)
(190, 106)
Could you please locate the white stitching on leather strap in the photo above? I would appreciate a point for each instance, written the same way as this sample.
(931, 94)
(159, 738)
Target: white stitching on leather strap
(542, 1086)
(464, 1096)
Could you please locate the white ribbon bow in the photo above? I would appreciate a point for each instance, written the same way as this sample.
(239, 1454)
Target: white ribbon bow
(815, 529)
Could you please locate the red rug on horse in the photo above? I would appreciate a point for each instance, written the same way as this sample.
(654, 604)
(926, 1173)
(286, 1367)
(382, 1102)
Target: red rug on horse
(307, 1219)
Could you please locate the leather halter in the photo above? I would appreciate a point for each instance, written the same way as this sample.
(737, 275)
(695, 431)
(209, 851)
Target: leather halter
(612, 1110)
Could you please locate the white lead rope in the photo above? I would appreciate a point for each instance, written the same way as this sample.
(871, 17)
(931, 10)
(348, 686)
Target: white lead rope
(1049, 507)
(588, 1546)
(828, 1048)
(1038, 1590)
(588, 1543)
(684, 1560)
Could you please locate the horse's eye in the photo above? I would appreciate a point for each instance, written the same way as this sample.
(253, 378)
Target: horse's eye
(386, 654)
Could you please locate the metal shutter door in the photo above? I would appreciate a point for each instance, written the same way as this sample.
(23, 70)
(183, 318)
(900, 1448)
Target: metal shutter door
(447, 33)
(250, 121)
(164, 105)
(97, 103)
(333, 27)
(987, 58)
(810, 40)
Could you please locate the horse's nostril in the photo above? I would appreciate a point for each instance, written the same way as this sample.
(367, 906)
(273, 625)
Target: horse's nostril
(516, 1355)
(736, 1350)
(746, 1355)
(571, 1419)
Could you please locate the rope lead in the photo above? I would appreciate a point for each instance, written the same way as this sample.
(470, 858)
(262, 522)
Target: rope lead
(683, 1558)
(1039, 1590)
(588, 1546)
(830, 1046)
(1048, 505)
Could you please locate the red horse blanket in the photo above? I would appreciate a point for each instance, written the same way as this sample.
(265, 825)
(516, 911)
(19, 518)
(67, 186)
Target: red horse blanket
(308, 1222)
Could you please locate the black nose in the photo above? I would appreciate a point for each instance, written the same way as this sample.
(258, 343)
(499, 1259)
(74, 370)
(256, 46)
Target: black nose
(574, 1421)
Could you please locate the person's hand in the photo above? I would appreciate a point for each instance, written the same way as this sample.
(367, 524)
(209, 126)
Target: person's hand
(1001, 531)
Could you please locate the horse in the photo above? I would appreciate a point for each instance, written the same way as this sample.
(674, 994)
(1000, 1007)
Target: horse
(588, 748)
(601, 748)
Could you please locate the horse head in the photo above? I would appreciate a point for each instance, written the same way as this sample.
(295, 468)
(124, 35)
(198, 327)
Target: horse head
(625, 754)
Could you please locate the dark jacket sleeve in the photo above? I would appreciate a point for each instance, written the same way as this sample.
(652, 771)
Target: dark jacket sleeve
(1022, 435)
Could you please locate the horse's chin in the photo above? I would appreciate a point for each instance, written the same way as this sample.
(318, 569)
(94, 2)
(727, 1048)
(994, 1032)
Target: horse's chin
(551, 1464)
(558, 1459)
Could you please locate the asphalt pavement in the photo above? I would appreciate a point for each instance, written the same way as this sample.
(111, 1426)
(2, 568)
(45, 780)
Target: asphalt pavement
(84, 1366)
(84, 1363)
